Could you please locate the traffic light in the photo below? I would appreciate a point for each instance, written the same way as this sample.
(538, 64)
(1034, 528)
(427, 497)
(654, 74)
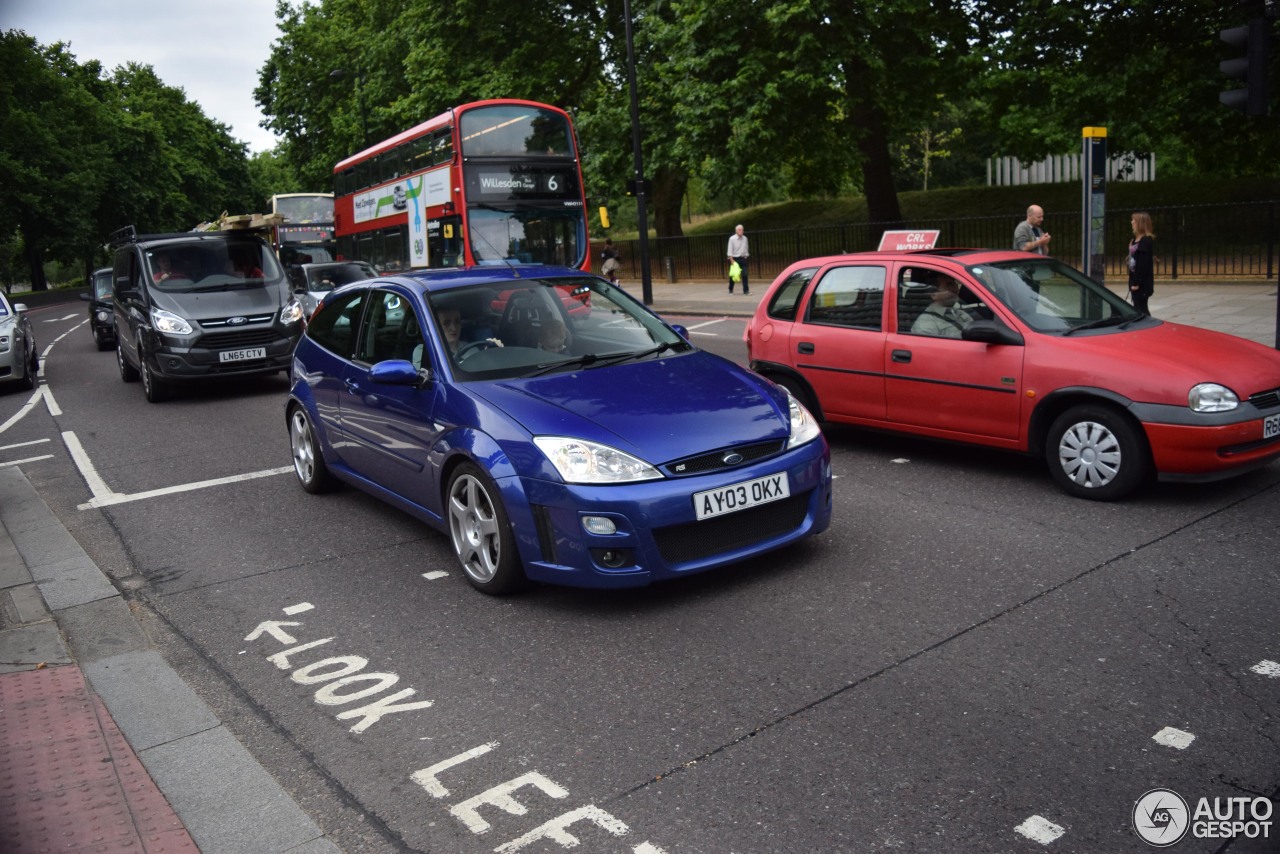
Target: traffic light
(1254, 39)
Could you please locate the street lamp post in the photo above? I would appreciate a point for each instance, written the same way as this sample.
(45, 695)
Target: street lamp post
(646, 281)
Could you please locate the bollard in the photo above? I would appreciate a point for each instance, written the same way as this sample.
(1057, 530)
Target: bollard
(670, 264)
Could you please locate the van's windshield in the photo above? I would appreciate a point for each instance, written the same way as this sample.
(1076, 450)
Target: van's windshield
(203, 264)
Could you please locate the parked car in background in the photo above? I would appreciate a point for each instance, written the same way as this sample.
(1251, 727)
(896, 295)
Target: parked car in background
(19, 360)
(198, 306)
(102, 322)
(1023, 353)
(594, 447)
(311, 282)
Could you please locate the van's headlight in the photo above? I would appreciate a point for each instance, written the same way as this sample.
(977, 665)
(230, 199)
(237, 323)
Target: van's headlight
(580, 461)
(804, 427)
(168, 322)
(291, 313)
(1211, 397)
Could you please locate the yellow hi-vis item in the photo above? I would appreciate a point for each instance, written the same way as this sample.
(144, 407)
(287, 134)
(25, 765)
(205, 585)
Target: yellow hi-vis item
(735, 272)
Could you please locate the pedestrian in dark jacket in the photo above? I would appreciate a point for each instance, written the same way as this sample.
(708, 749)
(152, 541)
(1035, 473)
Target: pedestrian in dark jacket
(1142, 264)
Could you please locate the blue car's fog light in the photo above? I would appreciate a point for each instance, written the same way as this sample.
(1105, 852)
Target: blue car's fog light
(613, 558)
(599, 525)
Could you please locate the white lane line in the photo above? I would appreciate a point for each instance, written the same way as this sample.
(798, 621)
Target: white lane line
(60, 319)
(1175, 738)
(27, 460)
(22, 444)
(119, 498)
(708, 323)
(26, 407)
(1267, 668)
(1039, 829)
(52, 405)
(96, 484)
(434, 575)
(300, 608)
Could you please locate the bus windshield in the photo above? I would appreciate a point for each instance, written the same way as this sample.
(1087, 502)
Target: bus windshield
(304, 207)
(514, 130)
(525, 236)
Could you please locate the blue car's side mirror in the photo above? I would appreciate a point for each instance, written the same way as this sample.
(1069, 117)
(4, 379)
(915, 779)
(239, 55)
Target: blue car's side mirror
(398, 372)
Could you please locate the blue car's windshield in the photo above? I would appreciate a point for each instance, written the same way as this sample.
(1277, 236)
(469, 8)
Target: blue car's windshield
(533, 327)
(1050, 296)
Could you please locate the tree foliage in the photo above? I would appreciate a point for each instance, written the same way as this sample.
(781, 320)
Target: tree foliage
(83, 153)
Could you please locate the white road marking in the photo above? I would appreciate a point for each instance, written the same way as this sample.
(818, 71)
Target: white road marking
(91, 477)
(900, 460)
(52, 405)
(26, 407)
(27, 460)
(1267, 668)
(1176, 738)
(708, 323)
(117, 498)
(300, 608)
(22, 444)
(60, 319)
(1039, 829)
(437, 574)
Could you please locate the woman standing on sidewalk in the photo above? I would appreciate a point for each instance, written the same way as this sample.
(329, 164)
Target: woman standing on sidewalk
(1142, 266)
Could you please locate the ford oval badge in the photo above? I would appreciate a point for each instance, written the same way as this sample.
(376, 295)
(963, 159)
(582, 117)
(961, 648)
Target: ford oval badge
(236, 321)
(732, 458)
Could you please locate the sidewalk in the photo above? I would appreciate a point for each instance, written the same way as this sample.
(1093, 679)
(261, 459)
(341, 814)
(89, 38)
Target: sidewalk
(103, 747)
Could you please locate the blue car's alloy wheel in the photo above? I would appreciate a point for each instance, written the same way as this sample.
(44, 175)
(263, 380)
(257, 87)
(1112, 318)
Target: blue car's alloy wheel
(481, 534)
(308, 463)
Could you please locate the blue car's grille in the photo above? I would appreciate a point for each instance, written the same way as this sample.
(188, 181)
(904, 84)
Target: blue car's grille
(699, 540)
(716, 459)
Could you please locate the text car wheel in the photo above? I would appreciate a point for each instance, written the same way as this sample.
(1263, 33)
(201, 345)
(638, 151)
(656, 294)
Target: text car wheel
(481, 533)
(308, 462)
(1095, 452)
(155, 389)
(128, 372)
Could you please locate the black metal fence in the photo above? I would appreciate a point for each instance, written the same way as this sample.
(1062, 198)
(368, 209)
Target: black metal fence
(1192, 241)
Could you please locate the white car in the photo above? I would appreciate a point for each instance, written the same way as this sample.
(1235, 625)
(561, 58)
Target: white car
(312, 282)
(19, 361)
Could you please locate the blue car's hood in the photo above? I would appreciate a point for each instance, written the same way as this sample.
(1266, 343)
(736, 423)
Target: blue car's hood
(657, 409)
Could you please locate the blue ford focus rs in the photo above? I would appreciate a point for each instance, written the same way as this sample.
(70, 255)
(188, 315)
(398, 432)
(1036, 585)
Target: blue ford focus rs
(552, 426)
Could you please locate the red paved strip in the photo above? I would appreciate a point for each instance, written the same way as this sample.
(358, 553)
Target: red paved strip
(68, 779)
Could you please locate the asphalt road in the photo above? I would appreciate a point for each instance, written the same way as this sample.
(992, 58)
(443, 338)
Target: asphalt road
(968, 660)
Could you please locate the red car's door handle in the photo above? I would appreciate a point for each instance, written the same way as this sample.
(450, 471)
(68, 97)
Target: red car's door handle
(805, 347)
(901, 356)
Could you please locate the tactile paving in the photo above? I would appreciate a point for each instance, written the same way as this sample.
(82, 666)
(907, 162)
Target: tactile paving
(69, 781)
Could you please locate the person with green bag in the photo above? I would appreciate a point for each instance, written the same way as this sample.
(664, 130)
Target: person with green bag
(738, 254)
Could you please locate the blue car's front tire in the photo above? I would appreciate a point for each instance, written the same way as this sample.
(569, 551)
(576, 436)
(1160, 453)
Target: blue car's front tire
(481, 533)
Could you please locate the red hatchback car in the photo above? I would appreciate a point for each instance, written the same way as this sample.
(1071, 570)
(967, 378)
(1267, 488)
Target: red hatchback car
(1018, 351)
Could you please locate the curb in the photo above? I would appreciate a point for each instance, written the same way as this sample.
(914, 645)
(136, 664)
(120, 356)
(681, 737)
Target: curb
(225, 798)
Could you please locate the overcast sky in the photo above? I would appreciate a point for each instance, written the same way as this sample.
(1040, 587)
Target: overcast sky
(211, 49)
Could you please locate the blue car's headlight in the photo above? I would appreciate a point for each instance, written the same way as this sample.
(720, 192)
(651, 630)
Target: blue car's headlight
(167, 321)
(804, 427)
(1211, 397)
(580, 461)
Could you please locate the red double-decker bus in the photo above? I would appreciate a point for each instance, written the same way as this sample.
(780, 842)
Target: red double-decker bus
(491, 182)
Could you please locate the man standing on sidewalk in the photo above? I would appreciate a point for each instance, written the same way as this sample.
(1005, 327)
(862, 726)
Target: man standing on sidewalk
(739, 252)
(1029, 236)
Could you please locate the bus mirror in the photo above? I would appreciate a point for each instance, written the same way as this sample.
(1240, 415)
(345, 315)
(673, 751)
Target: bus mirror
(604, 216)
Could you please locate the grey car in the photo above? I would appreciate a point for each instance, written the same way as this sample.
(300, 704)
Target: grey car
(19, 362)
(310, 282)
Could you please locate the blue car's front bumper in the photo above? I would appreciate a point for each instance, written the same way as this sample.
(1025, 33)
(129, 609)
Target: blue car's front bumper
(658, 535)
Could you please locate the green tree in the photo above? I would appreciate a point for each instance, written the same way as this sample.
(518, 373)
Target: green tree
(52, 167)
